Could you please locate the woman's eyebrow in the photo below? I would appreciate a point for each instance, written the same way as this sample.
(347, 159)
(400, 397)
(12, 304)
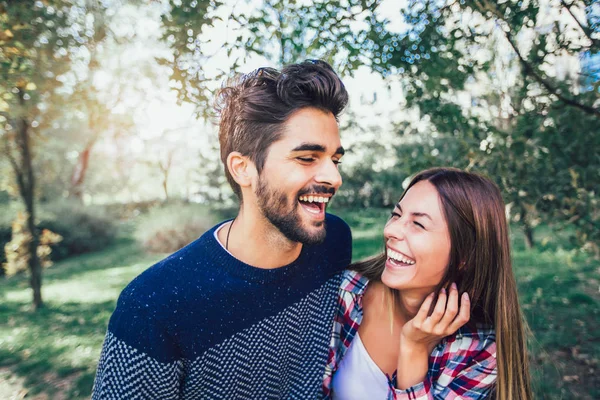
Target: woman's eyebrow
(415, 214)
(421, 214)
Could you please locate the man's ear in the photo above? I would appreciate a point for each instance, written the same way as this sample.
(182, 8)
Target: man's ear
(241, 168)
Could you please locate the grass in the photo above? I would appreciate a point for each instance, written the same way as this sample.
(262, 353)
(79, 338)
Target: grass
(53, 353)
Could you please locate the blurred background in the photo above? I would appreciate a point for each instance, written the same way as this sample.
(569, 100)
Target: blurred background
(109, 155)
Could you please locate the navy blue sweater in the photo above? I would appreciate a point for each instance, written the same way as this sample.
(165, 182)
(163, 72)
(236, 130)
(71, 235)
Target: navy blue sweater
(202, 324)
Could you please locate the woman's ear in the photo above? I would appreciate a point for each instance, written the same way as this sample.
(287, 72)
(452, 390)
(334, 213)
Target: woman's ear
(241, 168)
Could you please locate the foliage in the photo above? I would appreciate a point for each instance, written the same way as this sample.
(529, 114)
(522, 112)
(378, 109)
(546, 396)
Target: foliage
(167, 229)
(17, 251)
(83, 228)
(499, 88)
(7, 214)
(532, 125)
(279, 30)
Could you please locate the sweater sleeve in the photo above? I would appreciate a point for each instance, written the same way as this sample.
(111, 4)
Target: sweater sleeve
(340, 238)
(139, 360)
(475, 379)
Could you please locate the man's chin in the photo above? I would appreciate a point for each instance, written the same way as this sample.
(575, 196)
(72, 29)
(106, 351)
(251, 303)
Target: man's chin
(315, 234)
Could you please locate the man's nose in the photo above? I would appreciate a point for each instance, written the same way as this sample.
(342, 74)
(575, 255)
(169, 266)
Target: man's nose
(329, 174)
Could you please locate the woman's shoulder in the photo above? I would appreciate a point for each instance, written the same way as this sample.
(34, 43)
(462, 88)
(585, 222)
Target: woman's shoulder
(353, 282)
(478, 331)
(472, 338)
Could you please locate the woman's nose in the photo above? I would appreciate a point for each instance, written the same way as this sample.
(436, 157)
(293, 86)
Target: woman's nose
(395, 229)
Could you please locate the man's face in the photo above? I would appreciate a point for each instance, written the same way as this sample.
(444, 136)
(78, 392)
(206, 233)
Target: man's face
(300, 176)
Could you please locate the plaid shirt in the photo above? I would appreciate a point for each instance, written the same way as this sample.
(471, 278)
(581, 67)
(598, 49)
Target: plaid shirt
(461, 366)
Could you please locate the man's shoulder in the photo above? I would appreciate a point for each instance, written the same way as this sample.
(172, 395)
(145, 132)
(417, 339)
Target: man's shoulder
(338, 231)
(337, 247)
(333, 221)
(172, 275)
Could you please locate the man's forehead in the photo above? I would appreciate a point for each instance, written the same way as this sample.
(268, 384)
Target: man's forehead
(310, 141)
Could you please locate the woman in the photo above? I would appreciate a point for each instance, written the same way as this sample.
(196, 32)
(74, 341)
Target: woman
(436, 315)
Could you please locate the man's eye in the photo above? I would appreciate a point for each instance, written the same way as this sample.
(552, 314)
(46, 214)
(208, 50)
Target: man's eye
(306, 159)
(337, 162)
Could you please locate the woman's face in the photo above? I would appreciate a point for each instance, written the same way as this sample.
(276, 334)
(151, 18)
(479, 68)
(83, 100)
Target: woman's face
(417, 241)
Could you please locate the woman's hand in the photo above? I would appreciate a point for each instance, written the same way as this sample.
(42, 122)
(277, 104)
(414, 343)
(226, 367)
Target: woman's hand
(426, 331)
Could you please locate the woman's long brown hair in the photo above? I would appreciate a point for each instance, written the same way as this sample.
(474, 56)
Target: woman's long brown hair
(480, 264)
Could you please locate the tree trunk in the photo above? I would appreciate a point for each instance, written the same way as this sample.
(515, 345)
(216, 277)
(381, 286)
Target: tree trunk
(527, 228)
(528, 231)
(166, 170)
(26, 182)
(79, 173)
(165, 186)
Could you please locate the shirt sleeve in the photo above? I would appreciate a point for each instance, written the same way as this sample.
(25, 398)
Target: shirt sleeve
(466, 377)
(138, 358)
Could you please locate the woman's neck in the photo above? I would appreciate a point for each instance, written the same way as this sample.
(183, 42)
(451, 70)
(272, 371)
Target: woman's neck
(409, 302)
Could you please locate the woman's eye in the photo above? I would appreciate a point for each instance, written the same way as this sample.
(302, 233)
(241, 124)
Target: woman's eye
(418, 224)
(394, 215)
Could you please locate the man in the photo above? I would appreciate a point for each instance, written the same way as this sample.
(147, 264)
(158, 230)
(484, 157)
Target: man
(246, 310)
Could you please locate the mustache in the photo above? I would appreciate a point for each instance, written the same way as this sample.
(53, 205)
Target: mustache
(317, 189)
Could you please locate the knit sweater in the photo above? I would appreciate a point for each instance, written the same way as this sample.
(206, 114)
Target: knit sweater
(201, 324)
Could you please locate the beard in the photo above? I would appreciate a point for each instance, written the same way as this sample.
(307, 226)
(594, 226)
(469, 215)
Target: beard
(274, 205)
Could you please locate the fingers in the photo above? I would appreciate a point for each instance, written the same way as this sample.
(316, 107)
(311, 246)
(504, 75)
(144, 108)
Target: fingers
(464, 314)
(424, 310)
(440, 308)
(451, 307)
(447, 317)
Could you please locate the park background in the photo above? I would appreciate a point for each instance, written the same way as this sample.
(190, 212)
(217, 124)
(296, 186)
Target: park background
(109, 155)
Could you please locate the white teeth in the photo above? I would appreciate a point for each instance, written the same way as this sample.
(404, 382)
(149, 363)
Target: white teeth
(314, 199)
(399, 257)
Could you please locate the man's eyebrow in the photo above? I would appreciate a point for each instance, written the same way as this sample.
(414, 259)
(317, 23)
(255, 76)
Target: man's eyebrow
(415, 214)
(316, 147)
(310, 147)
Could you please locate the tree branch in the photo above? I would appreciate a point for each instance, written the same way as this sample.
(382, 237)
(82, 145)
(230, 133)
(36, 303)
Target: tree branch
(530, 70)
(586, 31)
(551, 89)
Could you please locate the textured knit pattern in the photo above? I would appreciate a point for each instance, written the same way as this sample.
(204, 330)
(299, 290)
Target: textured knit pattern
(462, 366)
(202, 325)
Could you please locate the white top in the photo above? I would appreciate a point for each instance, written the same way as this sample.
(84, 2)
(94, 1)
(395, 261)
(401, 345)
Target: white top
(217, 237)
(358, 377)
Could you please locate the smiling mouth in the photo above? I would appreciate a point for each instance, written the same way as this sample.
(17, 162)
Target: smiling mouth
(398, 259)
(314, 204)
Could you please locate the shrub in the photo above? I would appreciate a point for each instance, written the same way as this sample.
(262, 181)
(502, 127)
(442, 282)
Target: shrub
(8, 211)
(168, 228)
(17, 255)
(83, 228)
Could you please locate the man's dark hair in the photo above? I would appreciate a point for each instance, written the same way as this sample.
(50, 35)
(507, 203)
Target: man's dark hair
(254, 107)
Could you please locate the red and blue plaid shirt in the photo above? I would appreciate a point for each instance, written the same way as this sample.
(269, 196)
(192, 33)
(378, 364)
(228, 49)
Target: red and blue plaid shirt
(461, 366)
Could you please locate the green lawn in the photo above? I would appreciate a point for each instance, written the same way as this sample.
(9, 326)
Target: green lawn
(53, 353)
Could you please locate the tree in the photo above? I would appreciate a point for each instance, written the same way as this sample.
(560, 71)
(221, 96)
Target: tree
(28, 45)
(39, 41)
